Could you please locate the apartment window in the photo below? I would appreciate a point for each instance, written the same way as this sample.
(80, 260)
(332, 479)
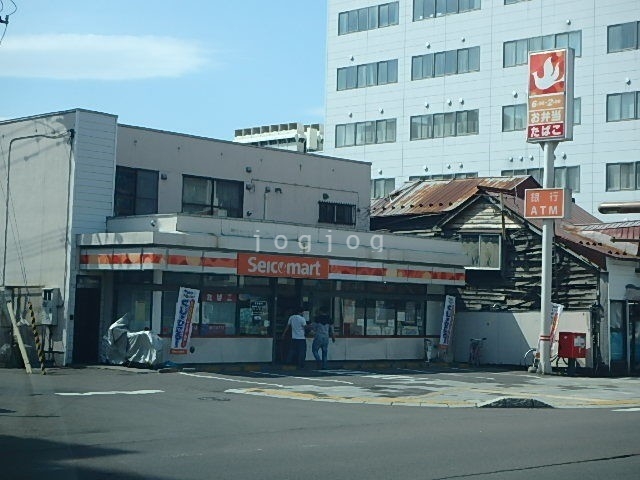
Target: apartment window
(136, 192)
(336, 213)
(516, 52)
(577, 111)
(438, 125)
(623, 106)
(381, 187)
(567, 177)
(564, 177)
(363, 133)
(444, 176)
(625, 36)
(367, 75)
(445, 63)
(211, 196)
(424, 9)
(623, 176)
(368, 18)
(514, 117)
(483, 250)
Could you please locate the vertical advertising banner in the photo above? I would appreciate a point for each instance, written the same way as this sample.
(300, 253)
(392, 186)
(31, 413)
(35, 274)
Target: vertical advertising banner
(550, 108)
(186, 314)
(556, 311)
(448, 317)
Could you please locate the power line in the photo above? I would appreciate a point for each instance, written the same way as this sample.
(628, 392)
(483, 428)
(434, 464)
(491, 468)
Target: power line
(5, 22)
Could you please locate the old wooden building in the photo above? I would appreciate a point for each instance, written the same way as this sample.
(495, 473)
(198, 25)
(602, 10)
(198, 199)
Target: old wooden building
(486, 215)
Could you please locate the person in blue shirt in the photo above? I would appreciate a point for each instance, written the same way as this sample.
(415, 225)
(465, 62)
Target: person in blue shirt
(323, 330)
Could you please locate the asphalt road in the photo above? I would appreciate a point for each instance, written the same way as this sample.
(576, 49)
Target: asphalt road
(112, 423)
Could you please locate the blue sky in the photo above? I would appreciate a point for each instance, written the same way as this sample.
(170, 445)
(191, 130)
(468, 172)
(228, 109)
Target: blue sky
(202, 67)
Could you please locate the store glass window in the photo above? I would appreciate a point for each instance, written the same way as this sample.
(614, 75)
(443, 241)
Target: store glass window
(218, 314)
(410, 318)
(617, 331)
(381, 317)
(253, 312)
(349, 316)
(137, 304)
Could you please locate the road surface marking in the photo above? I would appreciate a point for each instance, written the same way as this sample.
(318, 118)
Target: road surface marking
(113, 392)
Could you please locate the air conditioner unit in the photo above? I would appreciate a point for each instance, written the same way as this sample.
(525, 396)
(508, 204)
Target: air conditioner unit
(51, 301)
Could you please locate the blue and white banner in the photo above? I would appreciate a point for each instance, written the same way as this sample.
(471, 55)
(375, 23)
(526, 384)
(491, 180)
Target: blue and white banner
(186, 314)
(448, 317)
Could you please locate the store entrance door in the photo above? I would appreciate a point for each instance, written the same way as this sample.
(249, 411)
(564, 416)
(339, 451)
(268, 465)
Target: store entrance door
(634, 334)
(86, 320)
(287, 300)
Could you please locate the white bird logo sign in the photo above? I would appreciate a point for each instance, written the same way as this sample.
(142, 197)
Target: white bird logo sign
(550, 74)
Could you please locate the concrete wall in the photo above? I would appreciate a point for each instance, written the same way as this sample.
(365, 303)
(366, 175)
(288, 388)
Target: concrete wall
(508, 335)
(597, 74)
(303, 179)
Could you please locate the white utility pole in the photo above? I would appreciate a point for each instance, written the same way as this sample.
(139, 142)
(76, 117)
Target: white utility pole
(544, 366)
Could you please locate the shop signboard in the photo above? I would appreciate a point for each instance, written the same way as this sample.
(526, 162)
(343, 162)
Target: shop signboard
(448, 317)
(550, 107)
(186, 313)
(289, 266)
(546, 203)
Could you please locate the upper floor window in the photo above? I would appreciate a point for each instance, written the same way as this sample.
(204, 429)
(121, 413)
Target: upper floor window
(136, 192)
(514, 117)
(444, 176)
(381, 187)
(368, 75)
(423, 9)
(483, 249)
(623, 106)
(363, 133)
(211, 196)
(623, 176)
(450, 124)
(336, 213)
(564, 177)
(509, 2)
(516, 52)
(625, 36)
(445, 63)
(368, 18)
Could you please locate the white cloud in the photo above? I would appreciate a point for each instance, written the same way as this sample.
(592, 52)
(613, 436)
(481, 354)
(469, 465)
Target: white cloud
(99, 57)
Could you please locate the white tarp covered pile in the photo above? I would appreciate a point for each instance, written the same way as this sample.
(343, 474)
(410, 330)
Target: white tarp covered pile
(123, 346)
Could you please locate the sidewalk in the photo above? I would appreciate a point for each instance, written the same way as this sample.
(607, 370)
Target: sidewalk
(427, 385)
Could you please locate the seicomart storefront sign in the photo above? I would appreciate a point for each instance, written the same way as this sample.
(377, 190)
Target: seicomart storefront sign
(265, 265)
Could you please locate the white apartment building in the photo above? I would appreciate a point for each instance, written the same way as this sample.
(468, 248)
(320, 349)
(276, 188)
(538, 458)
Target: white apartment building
(438, 89)
(296, 137)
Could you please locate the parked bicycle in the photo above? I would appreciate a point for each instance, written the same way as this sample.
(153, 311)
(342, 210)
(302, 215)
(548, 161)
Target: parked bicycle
(475, 350)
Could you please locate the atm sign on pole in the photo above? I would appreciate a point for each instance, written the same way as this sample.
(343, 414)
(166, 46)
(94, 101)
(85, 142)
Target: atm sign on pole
(546, 203)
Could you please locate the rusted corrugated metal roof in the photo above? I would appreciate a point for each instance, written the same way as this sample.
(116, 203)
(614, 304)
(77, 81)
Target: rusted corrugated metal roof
(442, 196)
(582, 230)
(620, 231)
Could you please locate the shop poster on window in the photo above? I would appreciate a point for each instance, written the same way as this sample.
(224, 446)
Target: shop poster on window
(186, 314)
